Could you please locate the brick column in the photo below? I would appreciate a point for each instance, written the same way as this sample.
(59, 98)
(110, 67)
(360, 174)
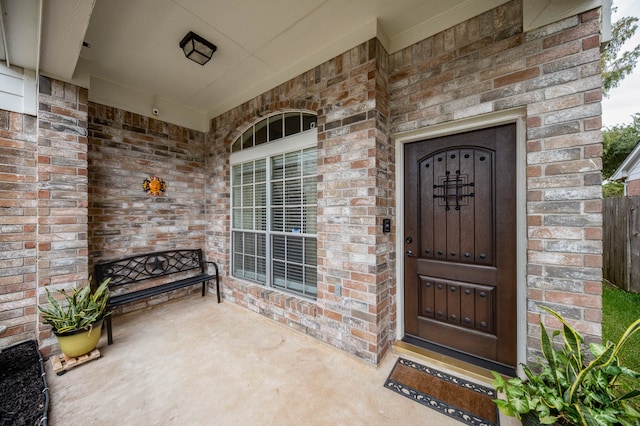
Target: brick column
(564, 193)
(62, 190)
(18, 218)
(355, 186)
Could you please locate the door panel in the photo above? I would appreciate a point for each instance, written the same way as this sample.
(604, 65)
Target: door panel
(460, 261)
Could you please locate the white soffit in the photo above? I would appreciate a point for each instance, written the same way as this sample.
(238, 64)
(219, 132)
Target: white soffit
(21, 25)
(64, 25)
(538, 13)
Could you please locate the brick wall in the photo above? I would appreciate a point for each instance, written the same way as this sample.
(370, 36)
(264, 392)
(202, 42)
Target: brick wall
(355, 192)
(487, 64)
(364, 96)
(81, 199)
(18, 225)
(55, 215)
(125, 149)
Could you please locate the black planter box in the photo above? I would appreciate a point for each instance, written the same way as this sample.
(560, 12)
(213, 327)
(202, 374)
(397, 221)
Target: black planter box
(24, 395)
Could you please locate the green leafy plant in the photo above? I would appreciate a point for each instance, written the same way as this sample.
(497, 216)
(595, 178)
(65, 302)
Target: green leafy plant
(79, 309)
(571, 386)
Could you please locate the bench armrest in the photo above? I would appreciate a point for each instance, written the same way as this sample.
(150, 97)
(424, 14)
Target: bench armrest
(215, 266)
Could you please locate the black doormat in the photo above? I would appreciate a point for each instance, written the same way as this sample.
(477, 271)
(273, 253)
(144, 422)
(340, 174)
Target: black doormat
(460, 399)
(24, 396)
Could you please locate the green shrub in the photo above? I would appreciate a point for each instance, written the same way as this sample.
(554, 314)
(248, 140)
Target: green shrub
(571, 386)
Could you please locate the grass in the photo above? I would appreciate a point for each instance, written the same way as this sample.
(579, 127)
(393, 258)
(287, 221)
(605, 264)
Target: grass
(619, 310)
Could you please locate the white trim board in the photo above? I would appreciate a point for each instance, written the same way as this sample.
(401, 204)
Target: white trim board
(18, 90)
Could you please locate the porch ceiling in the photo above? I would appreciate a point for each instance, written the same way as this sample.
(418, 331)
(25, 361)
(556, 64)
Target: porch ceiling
(260, 43)
(134, 44)
(134, 61)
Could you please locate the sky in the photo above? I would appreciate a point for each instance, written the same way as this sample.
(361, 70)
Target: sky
(624, 100)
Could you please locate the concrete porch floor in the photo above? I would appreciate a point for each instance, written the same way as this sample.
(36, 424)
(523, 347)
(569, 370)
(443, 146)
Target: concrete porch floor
(196, 362)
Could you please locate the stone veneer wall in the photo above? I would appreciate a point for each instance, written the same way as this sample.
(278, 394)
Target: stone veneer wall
(364, 96)
(125, 149)
(18, 226)
(487, 64)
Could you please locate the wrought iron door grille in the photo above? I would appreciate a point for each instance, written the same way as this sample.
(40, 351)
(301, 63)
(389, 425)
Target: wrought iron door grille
(453, 187)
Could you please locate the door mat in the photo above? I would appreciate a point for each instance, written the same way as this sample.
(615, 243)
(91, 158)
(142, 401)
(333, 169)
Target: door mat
(460, 399)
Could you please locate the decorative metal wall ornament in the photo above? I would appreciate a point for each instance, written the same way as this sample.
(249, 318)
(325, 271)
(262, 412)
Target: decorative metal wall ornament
(154, 185)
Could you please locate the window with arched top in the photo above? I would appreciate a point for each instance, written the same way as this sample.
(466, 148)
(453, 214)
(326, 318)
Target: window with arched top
(274, 189)
(273, 128)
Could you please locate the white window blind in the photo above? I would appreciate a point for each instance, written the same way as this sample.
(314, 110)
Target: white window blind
(293, 221)
(249, 213)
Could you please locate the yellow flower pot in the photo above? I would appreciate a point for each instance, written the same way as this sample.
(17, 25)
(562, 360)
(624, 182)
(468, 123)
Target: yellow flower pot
(79, 342)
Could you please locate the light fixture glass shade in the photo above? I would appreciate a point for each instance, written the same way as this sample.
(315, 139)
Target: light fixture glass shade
(197, 48)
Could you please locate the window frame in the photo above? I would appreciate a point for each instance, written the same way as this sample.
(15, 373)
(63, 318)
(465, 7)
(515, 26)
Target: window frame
(293, 143)
(261, 132)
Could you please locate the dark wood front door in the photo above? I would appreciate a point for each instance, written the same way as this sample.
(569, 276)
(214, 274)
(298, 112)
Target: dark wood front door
(460, 244)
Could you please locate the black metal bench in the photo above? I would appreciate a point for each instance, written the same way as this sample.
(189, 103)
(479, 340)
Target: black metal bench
(173, 270)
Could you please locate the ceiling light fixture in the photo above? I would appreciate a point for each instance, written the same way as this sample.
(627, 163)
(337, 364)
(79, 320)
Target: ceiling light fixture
(197, 48)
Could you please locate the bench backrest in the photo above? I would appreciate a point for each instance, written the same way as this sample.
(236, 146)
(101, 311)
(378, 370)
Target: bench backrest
(150, 265)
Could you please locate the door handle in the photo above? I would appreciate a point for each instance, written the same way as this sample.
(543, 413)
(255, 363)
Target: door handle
(409, 253)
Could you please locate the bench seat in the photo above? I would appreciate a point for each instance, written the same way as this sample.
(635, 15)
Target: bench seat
(123, 299)
(156, 265)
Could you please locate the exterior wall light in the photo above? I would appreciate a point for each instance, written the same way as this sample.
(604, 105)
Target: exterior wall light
(197, 48)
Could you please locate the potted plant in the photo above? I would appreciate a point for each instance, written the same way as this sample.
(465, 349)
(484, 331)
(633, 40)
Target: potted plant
(573, 385)
(77, 318)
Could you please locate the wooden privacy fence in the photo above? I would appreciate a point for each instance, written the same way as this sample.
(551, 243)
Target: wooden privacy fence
(621, 242)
